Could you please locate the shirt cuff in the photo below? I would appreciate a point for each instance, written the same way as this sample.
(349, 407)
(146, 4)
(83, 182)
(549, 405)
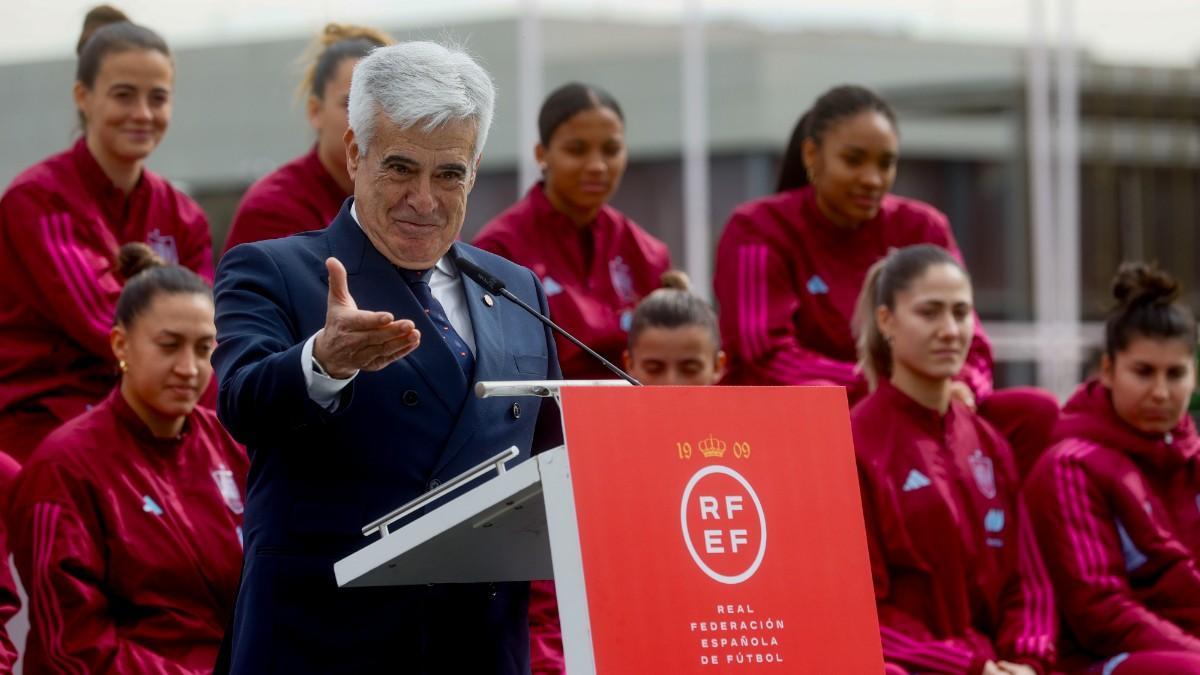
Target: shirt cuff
(324, 390)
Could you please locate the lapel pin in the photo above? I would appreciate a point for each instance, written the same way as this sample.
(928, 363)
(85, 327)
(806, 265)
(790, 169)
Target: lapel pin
(487, 300)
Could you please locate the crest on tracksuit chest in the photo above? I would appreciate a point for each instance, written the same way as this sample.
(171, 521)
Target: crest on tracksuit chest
(621, 276)
(984, 472)
(228, 488)
(163, 246)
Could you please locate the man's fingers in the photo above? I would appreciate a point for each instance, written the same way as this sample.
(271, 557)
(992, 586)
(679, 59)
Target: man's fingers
(377, 357)
(339, 288)
(385, 360)
(359, 320)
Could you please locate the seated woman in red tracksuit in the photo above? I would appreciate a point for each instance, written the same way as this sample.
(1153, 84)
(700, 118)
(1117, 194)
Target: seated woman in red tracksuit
(62, 220)
(674, 338)
(790, 265)
(1118, 496)
(307, 192)
(959, 583)
(594, 262)
(126, 522)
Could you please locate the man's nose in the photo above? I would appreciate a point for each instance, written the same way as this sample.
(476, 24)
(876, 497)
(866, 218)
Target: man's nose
(420, 197)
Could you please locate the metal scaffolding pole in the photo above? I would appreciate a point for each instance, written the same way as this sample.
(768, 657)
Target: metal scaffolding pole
(530, 86)
(1041, 192)
(694, 105)
(1067, 198)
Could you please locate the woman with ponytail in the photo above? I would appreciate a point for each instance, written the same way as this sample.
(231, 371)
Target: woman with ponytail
(125, 524)
(594, 261)
(789, 266)
(307, 192)
(1118, 494)
(62, 221)
(674, 338)
(959, 584)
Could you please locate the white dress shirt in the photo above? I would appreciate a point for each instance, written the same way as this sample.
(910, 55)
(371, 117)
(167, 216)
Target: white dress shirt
(447, 287)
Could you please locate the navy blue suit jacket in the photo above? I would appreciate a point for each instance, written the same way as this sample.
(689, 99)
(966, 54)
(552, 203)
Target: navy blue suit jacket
(316, 477)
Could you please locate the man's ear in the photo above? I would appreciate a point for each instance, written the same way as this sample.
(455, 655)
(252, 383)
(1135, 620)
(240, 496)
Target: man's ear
(352, 155)
(474, 173)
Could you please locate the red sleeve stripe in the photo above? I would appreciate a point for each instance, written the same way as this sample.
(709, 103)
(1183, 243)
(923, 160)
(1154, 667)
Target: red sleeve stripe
(76, 273)
(1082, 530)
(752, 301)
(937, 656)
(1037, 630)
(49, 620)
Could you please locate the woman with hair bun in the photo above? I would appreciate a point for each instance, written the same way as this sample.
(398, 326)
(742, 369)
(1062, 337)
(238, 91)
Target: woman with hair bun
(306, 193)
(126, 523)
(790, 265)
(594, 262)
(63, 219)
(674, 338)
(959, 584)
(1118, 494)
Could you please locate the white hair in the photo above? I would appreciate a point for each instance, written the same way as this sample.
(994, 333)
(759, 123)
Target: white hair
(420, 82)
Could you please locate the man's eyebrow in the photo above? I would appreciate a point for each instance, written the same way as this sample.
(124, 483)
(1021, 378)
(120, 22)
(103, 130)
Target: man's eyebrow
(453, 166)
(399, 159)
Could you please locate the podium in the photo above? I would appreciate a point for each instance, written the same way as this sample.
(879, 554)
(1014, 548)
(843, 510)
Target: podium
(688, 529)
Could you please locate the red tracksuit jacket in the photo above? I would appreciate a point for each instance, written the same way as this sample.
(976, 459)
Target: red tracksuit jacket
(129, 546)
(10, 602)
(958, 578)
(787, 280)
(593, 302)
(1119, 522)
(61, 223)
(297, 197)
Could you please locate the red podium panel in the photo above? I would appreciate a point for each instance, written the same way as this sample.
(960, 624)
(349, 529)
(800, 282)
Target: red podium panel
(721, 530)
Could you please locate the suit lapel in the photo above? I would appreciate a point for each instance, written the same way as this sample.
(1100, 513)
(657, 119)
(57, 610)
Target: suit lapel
(376, 285)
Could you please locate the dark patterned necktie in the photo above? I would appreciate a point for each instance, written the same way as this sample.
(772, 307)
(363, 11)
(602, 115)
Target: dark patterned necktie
(418, 281)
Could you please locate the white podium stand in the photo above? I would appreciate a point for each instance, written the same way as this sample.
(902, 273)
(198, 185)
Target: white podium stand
(673, 583)
(522, 520)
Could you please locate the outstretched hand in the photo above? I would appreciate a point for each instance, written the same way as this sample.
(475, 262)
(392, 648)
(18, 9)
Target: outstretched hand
(355, 339)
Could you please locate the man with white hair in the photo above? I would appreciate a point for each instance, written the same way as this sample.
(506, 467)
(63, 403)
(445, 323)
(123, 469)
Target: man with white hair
(346, 358)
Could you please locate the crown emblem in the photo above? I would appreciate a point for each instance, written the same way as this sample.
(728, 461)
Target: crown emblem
(712, 447)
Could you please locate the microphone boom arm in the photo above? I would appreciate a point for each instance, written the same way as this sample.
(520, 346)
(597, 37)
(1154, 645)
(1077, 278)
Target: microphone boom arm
(575, 341)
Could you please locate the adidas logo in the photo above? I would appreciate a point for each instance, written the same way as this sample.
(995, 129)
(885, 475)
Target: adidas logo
(915, 481)
(151, 506)
(816, 285)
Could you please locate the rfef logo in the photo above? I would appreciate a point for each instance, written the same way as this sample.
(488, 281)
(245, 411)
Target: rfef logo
(723, 524)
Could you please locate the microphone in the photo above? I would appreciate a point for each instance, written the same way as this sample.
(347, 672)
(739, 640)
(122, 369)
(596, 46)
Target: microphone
(497, 287)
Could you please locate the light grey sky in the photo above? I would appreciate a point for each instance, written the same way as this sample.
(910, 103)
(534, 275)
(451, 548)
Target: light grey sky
(1158, 32)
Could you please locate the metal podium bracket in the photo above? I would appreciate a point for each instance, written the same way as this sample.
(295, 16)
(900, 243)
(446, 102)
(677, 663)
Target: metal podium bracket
(381, 524)
(490, 517)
